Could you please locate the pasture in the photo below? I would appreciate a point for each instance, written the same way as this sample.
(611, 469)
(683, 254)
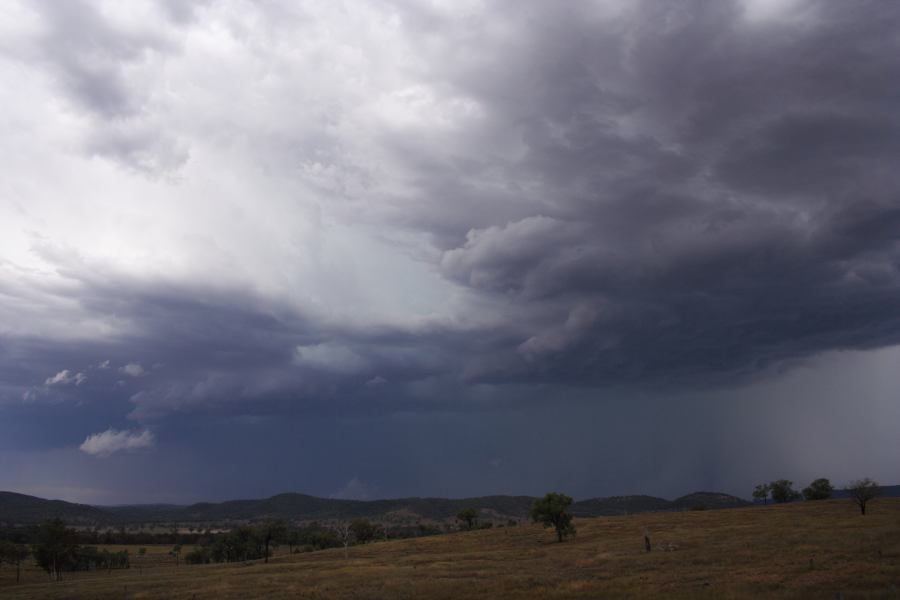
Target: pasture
(803, 550)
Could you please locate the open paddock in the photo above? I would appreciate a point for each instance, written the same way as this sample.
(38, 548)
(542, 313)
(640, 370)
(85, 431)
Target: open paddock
(802, 550)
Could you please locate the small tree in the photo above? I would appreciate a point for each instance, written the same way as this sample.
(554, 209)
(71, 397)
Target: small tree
(553, 510)
(862, 491)
(56, 547)
(292, 539)
(176, 552)
(469, 516)
(344, 534)
(761, 492)
(5, 552)
(18, 553)
(363, 531)
(271, 533)
(782, 491)
(820, 489)
(14, 554)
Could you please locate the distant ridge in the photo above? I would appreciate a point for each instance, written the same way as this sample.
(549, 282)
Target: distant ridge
(619, 505)
(23, 509)
(20, 508)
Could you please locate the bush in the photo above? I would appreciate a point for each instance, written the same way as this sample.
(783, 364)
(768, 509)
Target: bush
(200, 555)
(782, 491)
(820, 489)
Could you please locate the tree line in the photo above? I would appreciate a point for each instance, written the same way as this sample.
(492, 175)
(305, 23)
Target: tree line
(56, 550)
(782, 490)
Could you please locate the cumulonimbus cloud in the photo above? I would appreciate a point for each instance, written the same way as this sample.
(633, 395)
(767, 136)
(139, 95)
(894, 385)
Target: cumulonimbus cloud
(610, 199)
(111, 441)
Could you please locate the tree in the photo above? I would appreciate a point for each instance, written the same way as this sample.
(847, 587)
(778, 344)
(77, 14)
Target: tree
(272, 532)
(176, 552)
(292, 539)
(820, 489)
(761, 492)
(13, 554)
(862, 491)
(782, 491)
(469, 516)
(344, 534)
(553, 510)
(56, 548)
(363, 531)
(243, 543)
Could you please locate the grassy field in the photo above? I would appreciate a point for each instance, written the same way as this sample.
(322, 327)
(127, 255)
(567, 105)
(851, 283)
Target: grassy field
(803, 550)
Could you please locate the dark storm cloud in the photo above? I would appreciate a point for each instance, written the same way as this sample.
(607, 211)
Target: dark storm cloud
(189, 349)
(668, 192)
(680, 196)
(89, 55)
(718, 195)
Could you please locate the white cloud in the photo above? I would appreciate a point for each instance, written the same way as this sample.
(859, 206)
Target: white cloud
(111, 441)
(193, 188)
(133, 369)
(66, 377)
(376, 381)
(355, 489)
(330, 357)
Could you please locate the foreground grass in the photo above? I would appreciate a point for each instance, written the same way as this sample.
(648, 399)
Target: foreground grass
(804, 550)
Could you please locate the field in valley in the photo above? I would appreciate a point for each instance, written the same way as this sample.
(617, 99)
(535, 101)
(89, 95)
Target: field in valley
(802, 550)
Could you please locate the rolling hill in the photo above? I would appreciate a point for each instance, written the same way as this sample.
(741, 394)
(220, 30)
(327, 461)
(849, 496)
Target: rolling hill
(21, 508)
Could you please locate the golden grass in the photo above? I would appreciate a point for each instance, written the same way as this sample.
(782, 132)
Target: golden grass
(803, 550)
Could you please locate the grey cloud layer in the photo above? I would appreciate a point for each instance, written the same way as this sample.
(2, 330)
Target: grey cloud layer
(717, 194)
(357, 234)
(380, 208)
(658, 191)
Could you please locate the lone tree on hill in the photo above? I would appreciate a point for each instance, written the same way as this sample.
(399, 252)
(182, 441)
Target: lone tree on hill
(820, 489)
(862, 491)
(783, 492)
(553, 510)
(469, 516)
(761, 492)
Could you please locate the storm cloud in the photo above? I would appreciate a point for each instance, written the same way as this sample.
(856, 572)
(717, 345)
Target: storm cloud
(388, 215)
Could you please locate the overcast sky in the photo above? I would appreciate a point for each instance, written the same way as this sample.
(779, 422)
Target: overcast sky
(381, 248)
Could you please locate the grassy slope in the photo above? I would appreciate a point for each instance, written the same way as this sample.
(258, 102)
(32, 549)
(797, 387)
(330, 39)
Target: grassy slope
(795, 551)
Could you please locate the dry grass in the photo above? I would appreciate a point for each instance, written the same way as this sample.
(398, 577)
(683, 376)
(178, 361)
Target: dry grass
(805, 550)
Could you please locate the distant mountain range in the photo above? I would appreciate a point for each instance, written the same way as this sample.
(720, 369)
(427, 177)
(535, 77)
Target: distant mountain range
(22, 509)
